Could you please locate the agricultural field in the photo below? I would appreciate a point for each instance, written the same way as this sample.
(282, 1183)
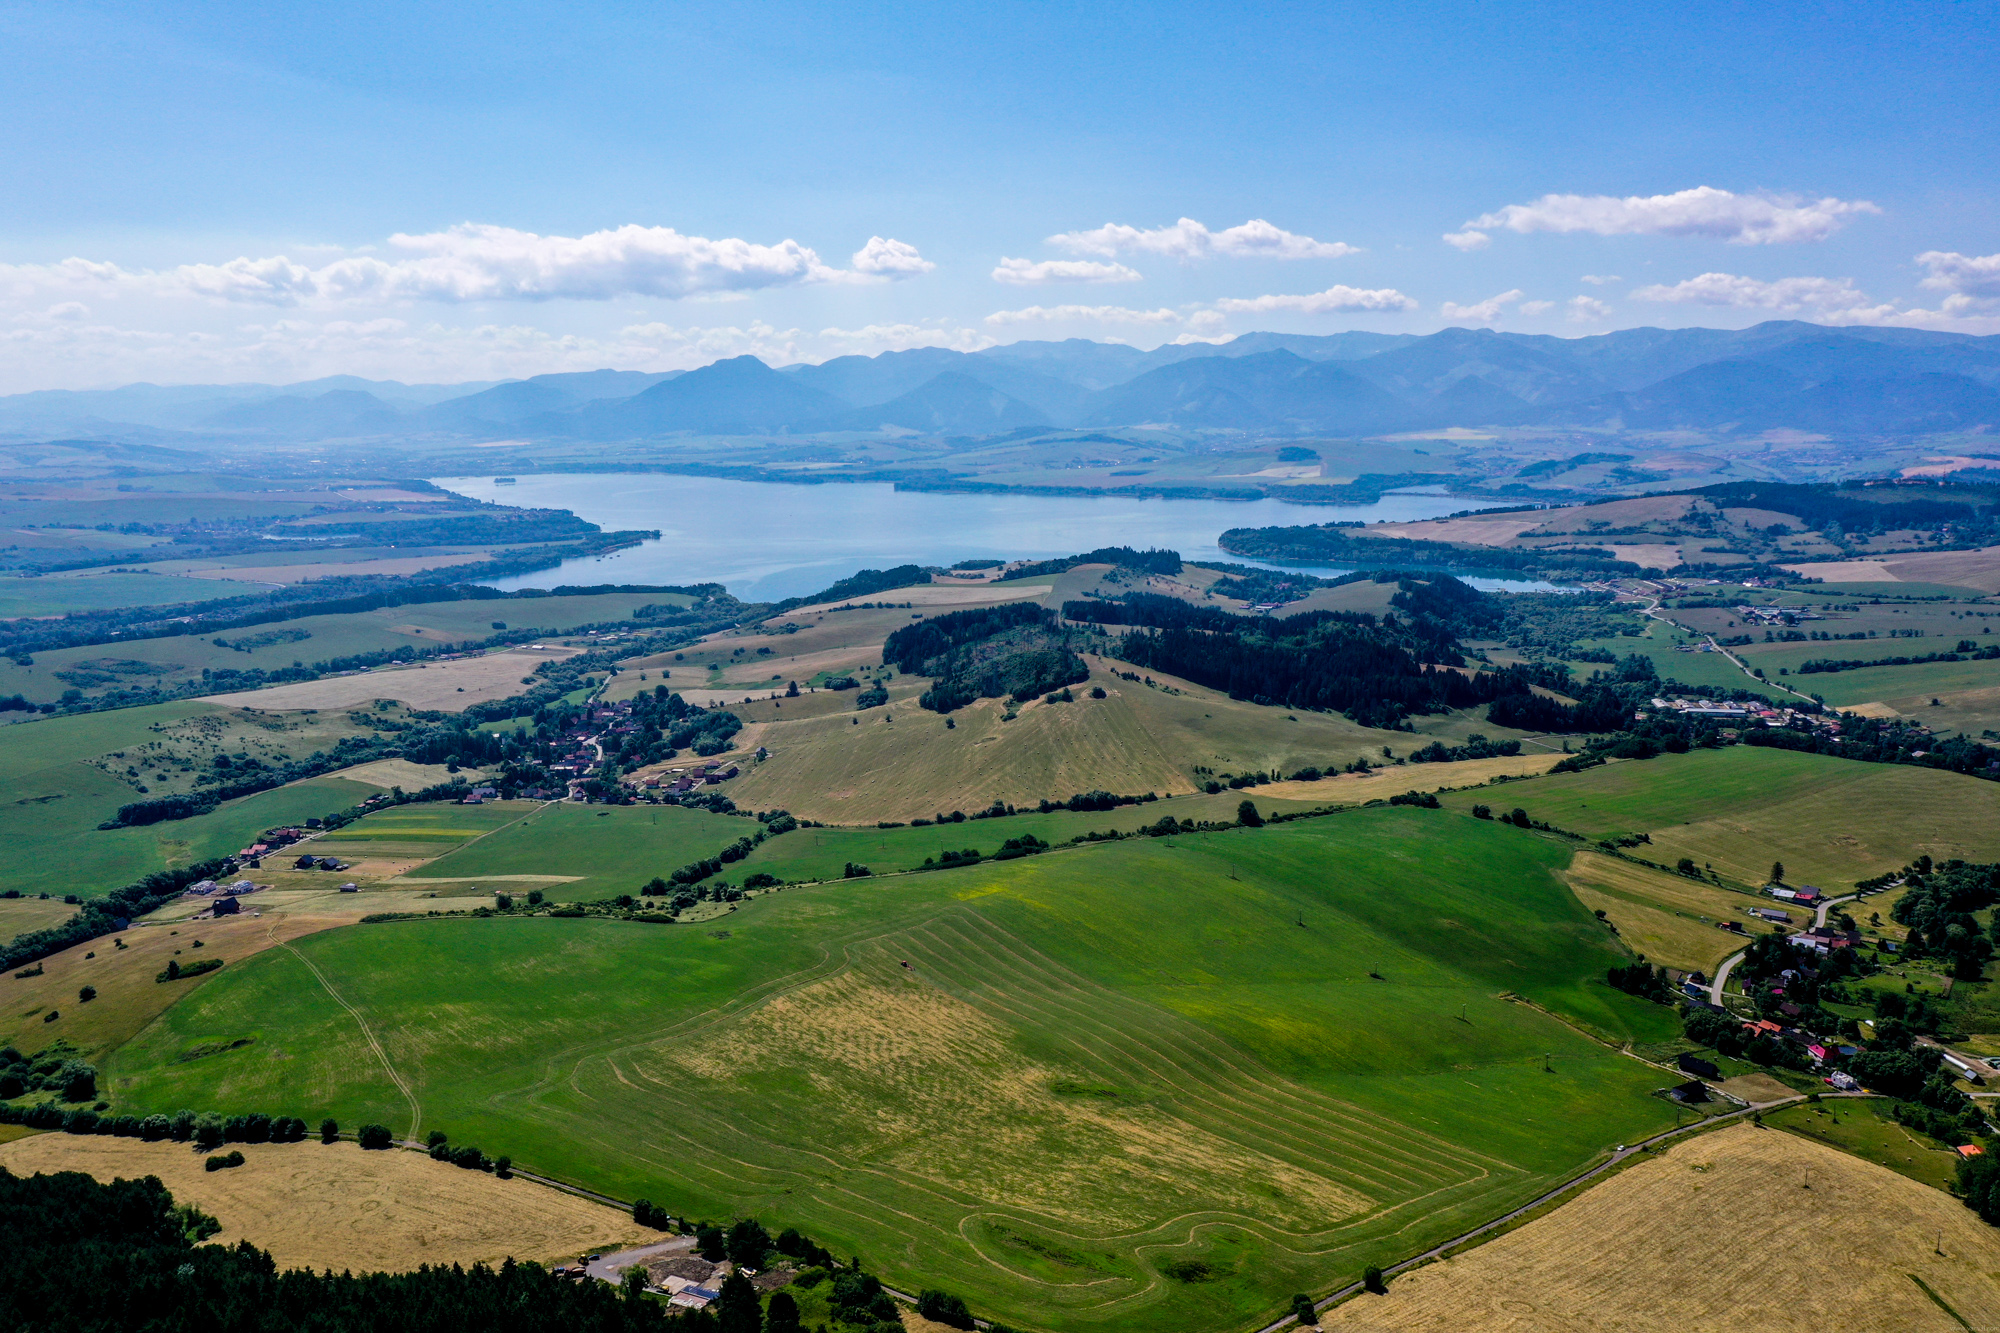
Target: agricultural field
(900, 762)
(179, 659)
(331, 1205)
(1865, 1129)
(569, 851)
(1670, 920)
(1163, 1083)
(1831, 821)
(1720, 1231)
(445, 686)
(60, 777)
(47, 596)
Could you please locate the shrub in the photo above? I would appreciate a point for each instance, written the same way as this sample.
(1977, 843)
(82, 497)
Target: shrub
(1247, 816)
(375, 1137)
(227, 1160)
(86, 994)
(329, 1130)
(1371, 1280)
(944, 1308)
(208, 1131)
(503, 1167)
(1482, 812)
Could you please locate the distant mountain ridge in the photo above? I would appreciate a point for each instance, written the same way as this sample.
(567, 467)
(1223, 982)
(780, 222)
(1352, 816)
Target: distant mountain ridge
(1780, 374)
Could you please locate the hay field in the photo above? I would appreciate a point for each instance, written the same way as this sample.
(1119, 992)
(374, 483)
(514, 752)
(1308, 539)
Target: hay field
(305, 573)
(331, 1205)
(1669, 918)
(902, 762)
(1385, 782)
(588, 852)
(1831, 821)
(1716, 1233)
(1043, 1083)
(1963, 569)
(449, 686)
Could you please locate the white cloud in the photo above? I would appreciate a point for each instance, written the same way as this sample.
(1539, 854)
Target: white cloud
(1028, 273)
(476, 262)
(1537, 307)
(1320, 303)
(1740, 219)
(1584, 309)
(1098, 314)
(1601, 279)
(890, 259)
(1188, 239)
(1468, 240)
(1975, 276)
(874, 338)
(1819, 296)
(1482, 312)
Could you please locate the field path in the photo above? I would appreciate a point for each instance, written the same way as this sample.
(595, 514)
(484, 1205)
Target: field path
(416, 1109)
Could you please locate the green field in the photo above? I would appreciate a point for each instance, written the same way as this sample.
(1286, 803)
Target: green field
(608, 850)
(47, 596)
(55, 789)
(1865, 1129)
(1046, 1083)
(1831, 821)
(420, 832)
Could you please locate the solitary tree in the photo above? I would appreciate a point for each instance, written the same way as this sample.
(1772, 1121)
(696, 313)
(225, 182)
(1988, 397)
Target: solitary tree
(782, 1315)
(1777, 872)
(737, 1309)
(1302, 1310)
(1371, 1280)
(329, 1131)
(1247, 816)
(86, 993)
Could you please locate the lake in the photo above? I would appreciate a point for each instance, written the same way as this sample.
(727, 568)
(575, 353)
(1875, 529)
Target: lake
(766, 541)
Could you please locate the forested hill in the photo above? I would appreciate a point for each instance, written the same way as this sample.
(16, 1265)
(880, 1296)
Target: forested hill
(1376, 671)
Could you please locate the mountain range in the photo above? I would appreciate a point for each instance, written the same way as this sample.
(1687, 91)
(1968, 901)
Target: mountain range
(1872, 382)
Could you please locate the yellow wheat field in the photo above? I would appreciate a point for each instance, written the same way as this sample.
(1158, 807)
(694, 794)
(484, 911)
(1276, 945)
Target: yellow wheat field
(1719, 1233)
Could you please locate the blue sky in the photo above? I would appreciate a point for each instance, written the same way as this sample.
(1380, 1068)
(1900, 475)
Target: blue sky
(238, 192)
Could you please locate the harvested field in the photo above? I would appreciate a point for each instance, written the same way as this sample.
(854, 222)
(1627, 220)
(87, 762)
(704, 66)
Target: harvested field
(331, 1205)
(388, 773)
(1964, 569)
(1669, 918)
(927, 595)
(449, 686)
(1385, 782)
(409, 564)
(1717, 1233)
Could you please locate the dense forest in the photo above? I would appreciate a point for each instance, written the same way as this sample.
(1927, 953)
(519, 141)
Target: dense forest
(1016, 650)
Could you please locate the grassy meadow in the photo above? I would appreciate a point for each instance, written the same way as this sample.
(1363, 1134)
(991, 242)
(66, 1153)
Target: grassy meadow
(1831, 821)
(59, 780)
(1157, 1084)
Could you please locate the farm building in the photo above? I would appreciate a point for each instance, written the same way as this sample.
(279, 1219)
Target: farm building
(1700, 1068)
(1769, 914)
(1690, 1092)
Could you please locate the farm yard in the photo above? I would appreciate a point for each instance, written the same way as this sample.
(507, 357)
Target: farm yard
(1011, 1054)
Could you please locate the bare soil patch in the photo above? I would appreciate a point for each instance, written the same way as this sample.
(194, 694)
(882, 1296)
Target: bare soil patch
(1719, 1232)
(449, 686)
(319, 1205)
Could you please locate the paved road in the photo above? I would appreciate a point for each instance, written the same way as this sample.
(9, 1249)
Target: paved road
(1819, 917)
(1722, 976)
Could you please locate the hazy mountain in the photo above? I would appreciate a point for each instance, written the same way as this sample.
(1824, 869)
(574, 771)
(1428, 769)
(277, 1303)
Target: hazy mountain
(947, 404)
(342, 412)
(1265, 390)
(523, 400)
(741, 395)
(1782, 373)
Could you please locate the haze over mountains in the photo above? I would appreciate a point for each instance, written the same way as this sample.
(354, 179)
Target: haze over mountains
(1877, 382)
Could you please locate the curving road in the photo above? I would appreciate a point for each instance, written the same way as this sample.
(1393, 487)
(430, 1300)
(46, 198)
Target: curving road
(1722, 976)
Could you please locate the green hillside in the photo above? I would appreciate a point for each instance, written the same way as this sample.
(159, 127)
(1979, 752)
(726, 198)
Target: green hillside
(1154, 1084)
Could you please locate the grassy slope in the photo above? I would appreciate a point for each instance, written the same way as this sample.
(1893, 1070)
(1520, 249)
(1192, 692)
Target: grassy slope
(1135, 740)
(60, 596)
(611, 850)
(182, 657)
(1831, 821)
(1033, 1082)
(52, 799)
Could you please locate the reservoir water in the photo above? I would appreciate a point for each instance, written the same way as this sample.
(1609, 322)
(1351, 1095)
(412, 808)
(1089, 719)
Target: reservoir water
(767, 540)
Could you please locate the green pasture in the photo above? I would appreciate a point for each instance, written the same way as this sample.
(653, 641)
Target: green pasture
(1280, 1054)
(52, 798)
(419, 832)
(1831, 821)
(610, 849)
(52, 596)
(1865, 1129)
(1868, 684)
